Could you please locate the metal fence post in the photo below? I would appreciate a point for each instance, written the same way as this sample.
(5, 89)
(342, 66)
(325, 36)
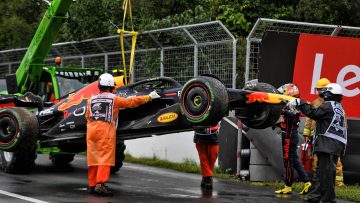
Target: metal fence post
(82, 62)
(234, 64)
(106, 58)
(196, 64)
(238, 151)
(162, 62)
(247, 61)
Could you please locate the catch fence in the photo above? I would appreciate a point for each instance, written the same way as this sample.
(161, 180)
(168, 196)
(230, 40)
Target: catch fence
(179, 52)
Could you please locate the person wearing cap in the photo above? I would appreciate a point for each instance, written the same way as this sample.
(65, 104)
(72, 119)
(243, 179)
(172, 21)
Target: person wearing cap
(290, 118)
(102, 112)
(330, 139)
(309, 129)
(207, 144)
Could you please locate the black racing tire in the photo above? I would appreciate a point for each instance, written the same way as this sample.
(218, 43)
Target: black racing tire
(119, 157)
(262, 115)
(61, 159)
(204, 101)
(20, 128)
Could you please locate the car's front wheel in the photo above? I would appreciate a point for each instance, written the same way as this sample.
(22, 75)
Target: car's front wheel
(18, 134)
(204, 101)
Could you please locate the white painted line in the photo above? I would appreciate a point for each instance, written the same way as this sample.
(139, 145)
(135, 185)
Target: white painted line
(21, 197)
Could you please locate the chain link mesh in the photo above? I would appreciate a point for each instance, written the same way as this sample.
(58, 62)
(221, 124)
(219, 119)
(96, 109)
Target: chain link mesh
(176, 52)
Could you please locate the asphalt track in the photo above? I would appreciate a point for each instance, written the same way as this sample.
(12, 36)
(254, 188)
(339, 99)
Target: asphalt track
(134, 183)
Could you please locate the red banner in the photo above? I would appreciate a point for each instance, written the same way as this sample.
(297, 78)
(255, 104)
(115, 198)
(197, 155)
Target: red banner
(335, 58)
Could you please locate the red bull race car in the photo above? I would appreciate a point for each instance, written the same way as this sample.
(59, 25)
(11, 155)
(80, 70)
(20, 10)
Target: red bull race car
(29, 126)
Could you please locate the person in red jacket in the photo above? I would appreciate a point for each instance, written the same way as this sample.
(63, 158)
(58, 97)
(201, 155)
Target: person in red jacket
(102, 112)
(207, 145)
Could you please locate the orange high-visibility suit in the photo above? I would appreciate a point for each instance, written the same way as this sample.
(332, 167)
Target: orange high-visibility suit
(207, 145)
(101, 114)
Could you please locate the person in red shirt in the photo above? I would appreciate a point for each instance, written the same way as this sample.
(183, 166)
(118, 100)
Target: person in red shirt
(207, 145)
(102, 112)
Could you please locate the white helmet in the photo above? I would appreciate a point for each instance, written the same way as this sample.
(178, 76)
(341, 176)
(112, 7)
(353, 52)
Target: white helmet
(106, 80)
(334, 88)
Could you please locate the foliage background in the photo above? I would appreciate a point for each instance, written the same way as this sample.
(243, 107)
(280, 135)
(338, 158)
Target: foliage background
(96, 18)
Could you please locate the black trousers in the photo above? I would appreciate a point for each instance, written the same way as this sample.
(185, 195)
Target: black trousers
(324, 179)
(291, 160)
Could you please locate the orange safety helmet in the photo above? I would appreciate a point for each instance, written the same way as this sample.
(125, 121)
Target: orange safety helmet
(289, 90)
(58, 60)
(322, 83)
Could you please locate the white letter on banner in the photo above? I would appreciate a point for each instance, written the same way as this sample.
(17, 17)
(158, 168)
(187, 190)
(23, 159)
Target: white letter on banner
(316, 71)
(345, 83)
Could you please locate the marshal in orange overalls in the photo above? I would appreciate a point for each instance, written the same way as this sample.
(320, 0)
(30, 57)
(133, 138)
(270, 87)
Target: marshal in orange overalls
(101, 114)
(207, 145)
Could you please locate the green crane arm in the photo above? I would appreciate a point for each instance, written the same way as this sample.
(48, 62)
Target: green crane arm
(31, 65)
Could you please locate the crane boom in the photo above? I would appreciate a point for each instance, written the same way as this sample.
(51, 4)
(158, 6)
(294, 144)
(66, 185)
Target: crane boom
(32, 64)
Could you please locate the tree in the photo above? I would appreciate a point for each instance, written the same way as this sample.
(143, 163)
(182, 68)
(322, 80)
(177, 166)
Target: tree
(239, 16)
(157, 14)
(91, 19)
(18, 22)
(340, 12)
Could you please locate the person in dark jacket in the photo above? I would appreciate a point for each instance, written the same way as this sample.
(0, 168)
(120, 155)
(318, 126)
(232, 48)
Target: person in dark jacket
(330, 139)
(290, 118)
(309, 129)
(207, 145)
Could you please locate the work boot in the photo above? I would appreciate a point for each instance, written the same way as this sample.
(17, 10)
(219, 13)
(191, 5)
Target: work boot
(339, 181)
(202, 185)
(101, 190)
(285, 190)
(340, 184)
(91, 189)
(208, 183)
(107, 187)
(305, 190)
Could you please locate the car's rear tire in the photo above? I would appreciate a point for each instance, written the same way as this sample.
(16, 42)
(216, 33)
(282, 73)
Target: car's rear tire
(119, 157)
(204, 101)
(261, 115)
(19, 129)
(61, 159)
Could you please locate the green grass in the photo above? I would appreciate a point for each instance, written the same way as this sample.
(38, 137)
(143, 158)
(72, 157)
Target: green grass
(351, 193)
(187, 166)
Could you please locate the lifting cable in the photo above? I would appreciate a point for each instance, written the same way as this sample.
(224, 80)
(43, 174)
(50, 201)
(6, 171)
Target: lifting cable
(127, 6)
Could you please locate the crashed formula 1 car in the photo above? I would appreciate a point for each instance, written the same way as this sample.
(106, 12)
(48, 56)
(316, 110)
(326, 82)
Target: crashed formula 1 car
(202, 101)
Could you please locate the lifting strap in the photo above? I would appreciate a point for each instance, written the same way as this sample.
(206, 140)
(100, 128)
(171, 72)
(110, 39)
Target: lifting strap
(122, 32)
